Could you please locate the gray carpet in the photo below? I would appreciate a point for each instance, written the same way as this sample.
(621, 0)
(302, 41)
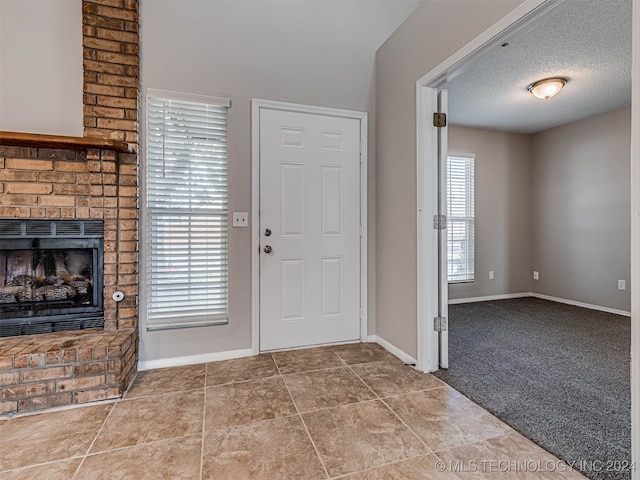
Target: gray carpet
(558, 374)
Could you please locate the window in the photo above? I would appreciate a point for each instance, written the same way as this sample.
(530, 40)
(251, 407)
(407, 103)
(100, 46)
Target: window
(460, 221)
(186, 212)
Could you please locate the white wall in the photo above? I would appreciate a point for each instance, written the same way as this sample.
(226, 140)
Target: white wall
(435, 31)
(581, 218)
(308, 51)
(41, 66)
(502, 210)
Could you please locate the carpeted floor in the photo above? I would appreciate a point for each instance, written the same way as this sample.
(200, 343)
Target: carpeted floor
(558, 374)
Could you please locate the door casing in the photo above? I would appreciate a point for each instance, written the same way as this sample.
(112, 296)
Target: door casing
(256, 106)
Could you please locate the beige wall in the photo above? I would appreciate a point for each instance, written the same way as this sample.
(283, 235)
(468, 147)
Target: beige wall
(435, 31)
(41, 66)
(312, 52)
(502, 210)
(581, 215)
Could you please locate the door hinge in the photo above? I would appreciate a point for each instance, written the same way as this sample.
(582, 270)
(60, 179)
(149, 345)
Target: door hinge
(439, 222)
(439, 120)
(440, 324)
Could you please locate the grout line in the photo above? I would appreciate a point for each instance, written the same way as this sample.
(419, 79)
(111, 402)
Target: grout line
(135, 445)
(150, 395)
(84, 457)
(395, 462)
(392, 411)
(273, 359)
(341, 367)
(306, 429)
(204, 417)
(133, 380)
(32, 465)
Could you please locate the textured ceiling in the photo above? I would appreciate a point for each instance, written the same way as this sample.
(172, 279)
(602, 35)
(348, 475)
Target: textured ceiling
(586, 41)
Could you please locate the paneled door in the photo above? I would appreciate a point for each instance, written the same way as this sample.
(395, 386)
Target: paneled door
(309, 229)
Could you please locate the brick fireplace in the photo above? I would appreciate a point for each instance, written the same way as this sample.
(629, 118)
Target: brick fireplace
(41, 371)
(94, 177)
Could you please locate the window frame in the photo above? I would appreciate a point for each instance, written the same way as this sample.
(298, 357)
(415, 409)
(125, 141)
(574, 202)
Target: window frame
(467, 220)
(179, 321)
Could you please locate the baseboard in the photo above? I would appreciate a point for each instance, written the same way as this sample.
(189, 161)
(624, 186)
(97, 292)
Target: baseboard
(580, 304)
(392, 349)
(193, 359)
(488, 298)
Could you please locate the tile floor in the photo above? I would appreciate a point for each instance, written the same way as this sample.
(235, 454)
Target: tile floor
(351, 411)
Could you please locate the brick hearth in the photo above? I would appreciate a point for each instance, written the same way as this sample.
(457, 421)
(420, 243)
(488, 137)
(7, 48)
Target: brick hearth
(43, 371)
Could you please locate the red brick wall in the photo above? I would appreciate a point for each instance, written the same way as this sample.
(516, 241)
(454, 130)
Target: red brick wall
(111, 88)
(111, 69)
(43, 371)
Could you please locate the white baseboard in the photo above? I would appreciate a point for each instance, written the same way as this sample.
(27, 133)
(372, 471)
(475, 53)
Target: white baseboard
(488, 298)
(580, 304)
(392, 349)
(193, 359)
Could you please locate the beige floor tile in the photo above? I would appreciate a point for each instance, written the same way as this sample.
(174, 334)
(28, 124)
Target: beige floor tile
(509, 456)
(444, 418)
(355, 353)
(276, 449)
(165, 380)
(387, 378)
(174, 459)
(326, 388)
(307, 359)
(355, 437)
(50, 436)
(148, 419)
(62, 470)
(247, 402)
(417, 468)
(240, 370)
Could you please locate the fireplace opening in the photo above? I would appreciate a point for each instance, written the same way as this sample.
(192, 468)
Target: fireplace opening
(51, 276)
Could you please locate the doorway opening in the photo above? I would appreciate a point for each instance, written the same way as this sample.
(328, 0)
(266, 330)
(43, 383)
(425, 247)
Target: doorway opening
(531, 13)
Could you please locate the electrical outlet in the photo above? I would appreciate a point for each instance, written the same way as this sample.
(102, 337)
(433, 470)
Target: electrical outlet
(622, 285)
(536, 275)
(240, 219)
(490, 274)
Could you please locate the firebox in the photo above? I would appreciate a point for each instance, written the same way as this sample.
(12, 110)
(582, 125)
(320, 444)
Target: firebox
(51, 276)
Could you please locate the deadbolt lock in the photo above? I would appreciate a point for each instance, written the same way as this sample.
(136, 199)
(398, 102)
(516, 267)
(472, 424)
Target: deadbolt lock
(267, 232)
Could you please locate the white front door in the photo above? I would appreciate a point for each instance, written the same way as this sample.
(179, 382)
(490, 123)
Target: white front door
(309, 229)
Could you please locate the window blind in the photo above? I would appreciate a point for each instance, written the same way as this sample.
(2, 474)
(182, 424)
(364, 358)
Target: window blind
(460, 219)
(186, 214)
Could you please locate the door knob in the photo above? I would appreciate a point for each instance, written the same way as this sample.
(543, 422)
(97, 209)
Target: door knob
(267, 232)
(267, 249)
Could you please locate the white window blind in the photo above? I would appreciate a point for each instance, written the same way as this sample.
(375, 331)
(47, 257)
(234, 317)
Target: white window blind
(186, 214)
(460, 219)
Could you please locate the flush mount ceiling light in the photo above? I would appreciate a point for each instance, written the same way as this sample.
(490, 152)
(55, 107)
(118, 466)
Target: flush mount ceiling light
(547, 88)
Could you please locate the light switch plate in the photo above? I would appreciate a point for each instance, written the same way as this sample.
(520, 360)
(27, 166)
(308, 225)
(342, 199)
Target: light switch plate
(240, 219)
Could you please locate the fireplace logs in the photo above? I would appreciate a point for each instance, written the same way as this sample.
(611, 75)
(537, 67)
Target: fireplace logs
(54, 276)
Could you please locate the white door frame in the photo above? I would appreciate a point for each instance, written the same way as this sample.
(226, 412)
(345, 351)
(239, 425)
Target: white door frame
(362, 117)
(525, 15)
